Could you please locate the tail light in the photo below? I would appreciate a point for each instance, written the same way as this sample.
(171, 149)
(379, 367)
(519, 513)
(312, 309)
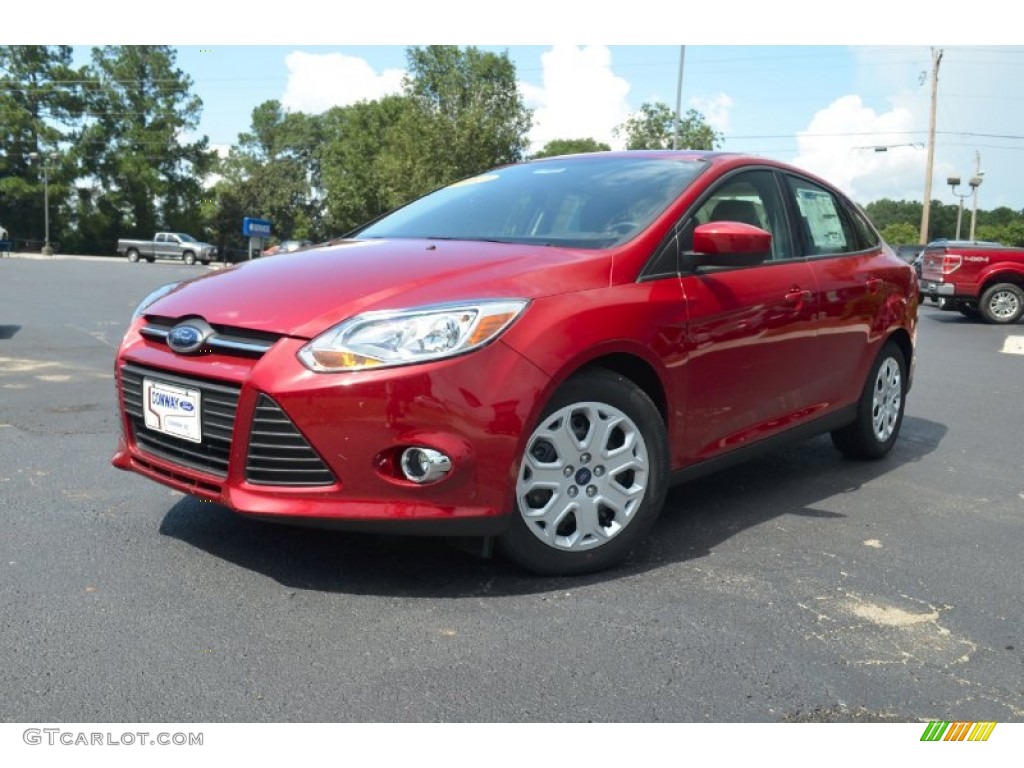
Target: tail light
(951, 263)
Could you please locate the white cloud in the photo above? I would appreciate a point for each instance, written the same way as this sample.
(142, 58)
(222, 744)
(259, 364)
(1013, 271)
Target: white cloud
(317, 82)
(715, 110)
(581, 97)
(839, 145)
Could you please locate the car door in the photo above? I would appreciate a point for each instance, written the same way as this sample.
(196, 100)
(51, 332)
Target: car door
(172, 247)
(161, 245)
(850, 266)
(751, 333)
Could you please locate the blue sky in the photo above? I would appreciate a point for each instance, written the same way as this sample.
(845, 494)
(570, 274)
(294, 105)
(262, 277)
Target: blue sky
(821, 107)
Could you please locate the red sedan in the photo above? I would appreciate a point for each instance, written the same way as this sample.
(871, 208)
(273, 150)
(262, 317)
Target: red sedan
(534, 354)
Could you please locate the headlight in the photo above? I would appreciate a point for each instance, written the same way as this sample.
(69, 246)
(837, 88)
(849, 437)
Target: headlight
(159, 293)
(405, 337)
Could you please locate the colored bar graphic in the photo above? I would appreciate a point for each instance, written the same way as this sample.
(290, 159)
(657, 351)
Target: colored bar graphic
(982, 731)
(957, 731)
(960, 730)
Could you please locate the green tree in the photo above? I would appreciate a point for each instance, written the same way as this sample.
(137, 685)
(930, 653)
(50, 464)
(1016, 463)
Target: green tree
(941, 218)
(1010, 233)
(466, 116)
(41, 106)
(134, 146)
(901, 233)
(884, 213)
(273, 173)
(557, 147)
(653, 126)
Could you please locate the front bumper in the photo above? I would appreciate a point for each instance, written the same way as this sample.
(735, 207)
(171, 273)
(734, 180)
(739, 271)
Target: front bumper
(474, 408)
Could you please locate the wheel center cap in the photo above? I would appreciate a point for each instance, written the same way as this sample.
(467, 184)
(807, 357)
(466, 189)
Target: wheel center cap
(583, 476)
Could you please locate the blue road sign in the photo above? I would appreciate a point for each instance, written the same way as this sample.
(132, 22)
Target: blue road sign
(255, 227)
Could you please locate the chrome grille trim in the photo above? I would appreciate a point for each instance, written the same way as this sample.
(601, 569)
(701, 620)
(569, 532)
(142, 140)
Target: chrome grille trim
(278, 453)
(228, 340)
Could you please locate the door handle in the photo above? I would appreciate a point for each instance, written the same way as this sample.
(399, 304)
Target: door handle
(872, 284)
(796, 294)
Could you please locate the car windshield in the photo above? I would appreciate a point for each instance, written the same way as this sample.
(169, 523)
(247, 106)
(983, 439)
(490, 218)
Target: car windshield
(186, 238)
(592, 202)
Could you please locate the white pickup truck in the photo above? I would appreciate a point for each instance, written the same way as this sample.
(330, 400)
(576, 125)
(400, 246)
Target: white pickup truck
(174, 245)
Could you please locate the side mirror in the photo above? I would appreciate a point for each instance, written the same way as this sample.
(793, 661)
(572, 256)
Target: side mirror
(729, 244)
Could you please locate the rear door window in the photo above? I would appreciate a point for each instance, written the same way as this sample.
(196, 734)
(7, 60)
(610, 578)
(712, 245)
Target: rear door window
(823, 225)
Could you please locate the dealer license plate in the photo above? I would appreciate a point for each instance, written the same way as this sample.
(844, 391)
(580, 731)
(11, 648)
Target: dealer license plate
(172, 409)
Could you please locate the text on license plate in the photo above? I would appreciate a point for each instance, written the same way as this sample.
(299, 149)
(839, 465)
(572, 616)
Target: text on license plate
(172, 409)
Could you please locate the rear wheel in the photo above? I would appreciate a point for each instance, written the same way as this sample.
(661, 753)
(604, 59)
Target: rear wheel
(1003, 303)
(879, 410)
(189, 257)
(133, 255)
(592, 479)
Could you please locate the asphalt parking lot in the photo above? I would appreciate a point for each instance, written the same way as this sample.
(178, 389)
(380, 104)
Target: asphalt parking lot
(801, 586)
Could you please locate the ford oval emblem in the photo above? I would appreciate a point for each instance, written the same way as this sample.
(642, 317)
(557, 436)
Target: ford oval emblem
(185, 338)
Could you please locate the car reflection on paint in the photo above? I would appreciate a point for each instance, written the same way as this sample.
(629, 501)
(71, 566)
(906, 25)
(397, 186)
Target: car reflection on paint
(288, 246)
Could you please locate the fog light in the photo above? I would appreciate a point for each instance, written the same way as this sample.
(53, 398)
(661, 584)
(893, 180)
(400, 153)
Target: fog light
(424, 465)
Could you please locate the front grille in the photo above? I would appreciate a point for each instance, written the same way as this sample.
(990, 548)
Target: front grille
(218, 407)
(225, 340)
(278, 453)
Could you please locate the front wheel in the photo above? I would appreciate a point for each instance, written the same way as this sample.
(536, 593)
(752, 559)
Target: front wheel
(1003, 303)
(190, 258)
(879, 410)
(592, 478)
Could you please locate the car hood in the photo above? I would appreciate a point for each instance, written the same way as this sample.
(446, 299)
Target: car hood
(304, 293)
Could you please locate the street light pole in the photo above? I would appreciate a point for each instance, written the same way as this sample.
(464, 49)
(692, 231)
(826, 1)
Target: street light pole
(975, 182)
(47, 250)
(954, 182)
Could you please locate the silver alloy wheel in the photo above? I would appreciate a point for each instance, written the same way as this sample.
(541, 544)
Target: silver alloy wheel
(1004, 304)
(583, 477)
(885, 402)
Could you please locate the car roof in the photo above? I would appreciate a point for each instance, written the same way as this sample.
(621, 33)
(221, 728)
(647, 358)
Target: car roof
(943, 243)
(713, 158)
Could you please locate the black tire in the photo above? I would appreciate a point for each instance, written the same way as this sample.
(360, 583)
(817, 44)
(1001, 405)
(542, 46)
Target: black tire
(879, 410)
(968, 310)
(133, 255)
(1002, 304)
(189, 258)
(571, 450)
(151, 259)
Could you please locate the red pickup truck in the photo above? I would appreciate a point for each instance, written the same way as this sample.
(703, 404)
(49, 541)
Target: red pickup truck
(976, 279)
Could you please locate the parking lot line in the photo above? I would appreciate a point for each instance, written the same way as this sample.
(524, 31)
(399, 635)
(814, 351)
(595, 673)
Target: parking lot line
(1014, 345)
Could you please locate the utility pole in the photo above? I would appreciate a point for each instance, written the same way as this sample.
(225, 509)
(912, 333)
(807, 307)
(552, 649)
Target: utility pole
(679, 97)
(926, 210)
